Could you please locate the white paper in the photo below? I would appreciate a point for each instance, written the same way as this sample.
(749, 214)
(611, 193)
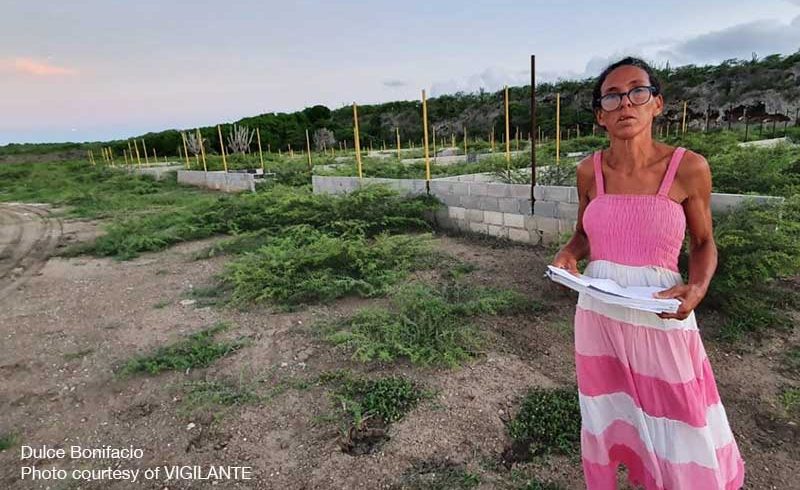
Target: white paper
(608, 291)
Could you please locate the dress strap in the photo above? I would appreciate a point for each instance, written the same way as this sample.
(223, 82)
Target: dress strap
(598, 173)
(672, 169)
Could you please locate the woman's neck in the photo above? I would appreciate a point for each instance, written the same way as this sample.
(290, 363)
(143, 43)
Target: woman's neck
(630, 155)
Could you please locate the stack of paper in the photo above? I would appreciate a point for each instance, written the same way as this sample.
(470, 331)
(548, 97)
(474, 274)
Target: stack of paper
(608, 291)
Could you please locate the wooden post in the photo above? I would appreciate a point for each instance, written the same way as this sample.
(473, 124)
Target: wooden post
(91, 157)
(683, 124)
(533, 129)
(397, 133)
(425, 141)
(202, 149)
(130, 151)
(125, 155)
(138, 160)
(111, 154)
(260, 153)
(508, 130)
(222, 149)
(155, 157)
(357, 142)
(308, 148)
(465, 140)
(185, 149)
(558, 126)
(144, 150)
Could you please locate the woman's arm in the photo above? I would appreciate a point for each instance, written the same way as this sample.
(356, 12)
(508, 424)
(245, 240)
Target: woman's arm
(578, 246)
(694, 175)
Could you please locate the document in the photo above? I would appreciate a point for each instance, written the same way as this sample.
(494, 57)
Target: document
(608, 291)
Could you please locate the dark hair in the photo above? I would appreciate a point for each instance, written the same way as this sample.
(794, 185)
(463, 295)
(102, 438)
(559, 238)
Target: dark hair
(629, 61)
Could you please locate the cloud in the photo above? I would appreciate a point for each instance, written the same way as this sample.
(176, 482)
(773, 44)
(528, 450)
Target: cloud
(31, 66)
(763, 37)
(395, 83)
(490, 79)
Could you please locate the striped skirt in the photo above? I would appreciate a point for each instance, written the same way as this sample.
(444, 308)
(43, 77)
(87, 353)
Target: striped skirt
(648, 397)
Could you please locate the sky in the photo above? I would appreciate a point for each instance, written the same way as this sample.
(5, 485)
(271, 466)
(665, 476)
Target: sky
(88, 70)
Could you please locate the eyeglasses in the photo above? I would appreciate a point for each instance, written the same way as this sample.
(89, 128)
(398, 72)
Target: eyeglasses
(637, 96)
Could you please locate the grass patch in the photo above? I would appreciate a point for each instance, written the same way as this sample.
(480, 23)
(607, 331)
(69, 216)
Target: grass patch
(71, 356)
(791, 361)
(162, 304)
(7, 441)
(536, 484)
(548, 422)
(208, 394)
(427, 325)
(790, 401)
(198, 350)
(308, 266)
(437, 475)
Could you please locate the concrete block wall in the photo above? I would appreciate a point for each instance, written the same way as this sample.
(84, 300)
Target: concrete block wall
(218, 180)
(502, 210)
(158, 172)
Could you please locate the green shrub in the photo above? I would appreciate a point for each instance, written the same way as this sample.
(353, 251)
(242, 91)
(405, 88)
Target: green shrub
(426, 325)
(305, 265)
(757, 245)
(548, 422)
(196, 351)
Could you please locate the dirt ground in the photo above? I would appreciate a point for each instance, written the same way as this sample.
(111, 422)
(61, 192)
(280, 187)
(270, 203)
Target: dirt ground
(67, 323)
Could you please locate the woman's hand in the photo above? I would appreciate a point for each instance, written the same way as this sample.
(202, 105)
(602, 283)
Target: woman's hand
(565, 260)
(689, 295)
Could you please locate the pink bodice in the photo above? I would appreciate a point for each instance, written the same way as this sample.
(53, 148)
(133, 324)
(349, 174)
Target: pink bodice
(636, 229)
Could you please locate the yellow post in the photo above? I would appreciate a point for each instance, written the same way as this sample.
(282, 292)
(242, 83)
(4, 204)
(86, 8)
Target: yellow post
(683, 124)
(144, 150)
(202, 149)
(155, 157)
(452, 140)
(111, 157)
(260, 153)
(125, 154)
(397, 133)
(138, 160)
(185, 149)
(130, 151)
(91, 157)
(508, 129)
(308, 149)
(558, 126)
(465, 140)
(491, 138)
(517, 138)
(357, 143)
(425, 137)
(222, 148)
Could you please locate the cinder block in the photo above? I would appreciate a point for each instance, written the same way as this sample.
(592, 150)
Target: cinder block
(459, 188)
(498, 231)
(544, 208)
(489, 204)
(478, 227)
(547, 225)
(566, 226)
(567, 210)
(514, 220)
(518, 235)
(556, 193)
(470, 202)
(493, 217)
(573, 195)
(508, 204)
(498, 190)
(521, 191)
(525, 207)
(456, 212)
(440, 187)
(475, 215)
(538, 193)
(477, 189)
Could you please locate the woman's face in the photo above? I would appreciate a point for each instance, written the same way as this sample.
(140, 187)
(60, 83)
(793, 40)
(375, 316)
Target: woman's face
(629, 119)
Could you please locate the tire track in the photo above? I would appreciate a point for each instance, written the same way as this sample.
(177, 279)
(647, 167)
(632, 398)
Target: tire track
(28, 236)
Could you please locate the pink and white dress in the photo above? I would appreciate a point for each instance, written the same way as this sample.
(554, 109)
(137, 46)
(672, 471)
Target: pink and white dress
(648, 397)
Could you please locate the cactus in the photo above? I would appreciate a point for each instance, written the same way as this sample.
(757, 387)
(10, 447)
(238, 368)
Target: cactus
(323, 139)
(240, 138)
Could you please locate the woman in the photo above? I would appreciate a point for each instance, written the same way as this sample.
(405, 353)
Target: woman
(648, 397)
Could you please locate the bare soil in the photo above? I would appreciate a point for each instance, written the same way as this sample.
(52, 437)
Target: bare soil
(67, 323)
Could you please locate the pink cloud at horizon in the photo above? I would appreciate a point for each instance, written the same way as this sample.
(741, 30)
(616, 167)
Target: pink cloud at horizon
(31, 66)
